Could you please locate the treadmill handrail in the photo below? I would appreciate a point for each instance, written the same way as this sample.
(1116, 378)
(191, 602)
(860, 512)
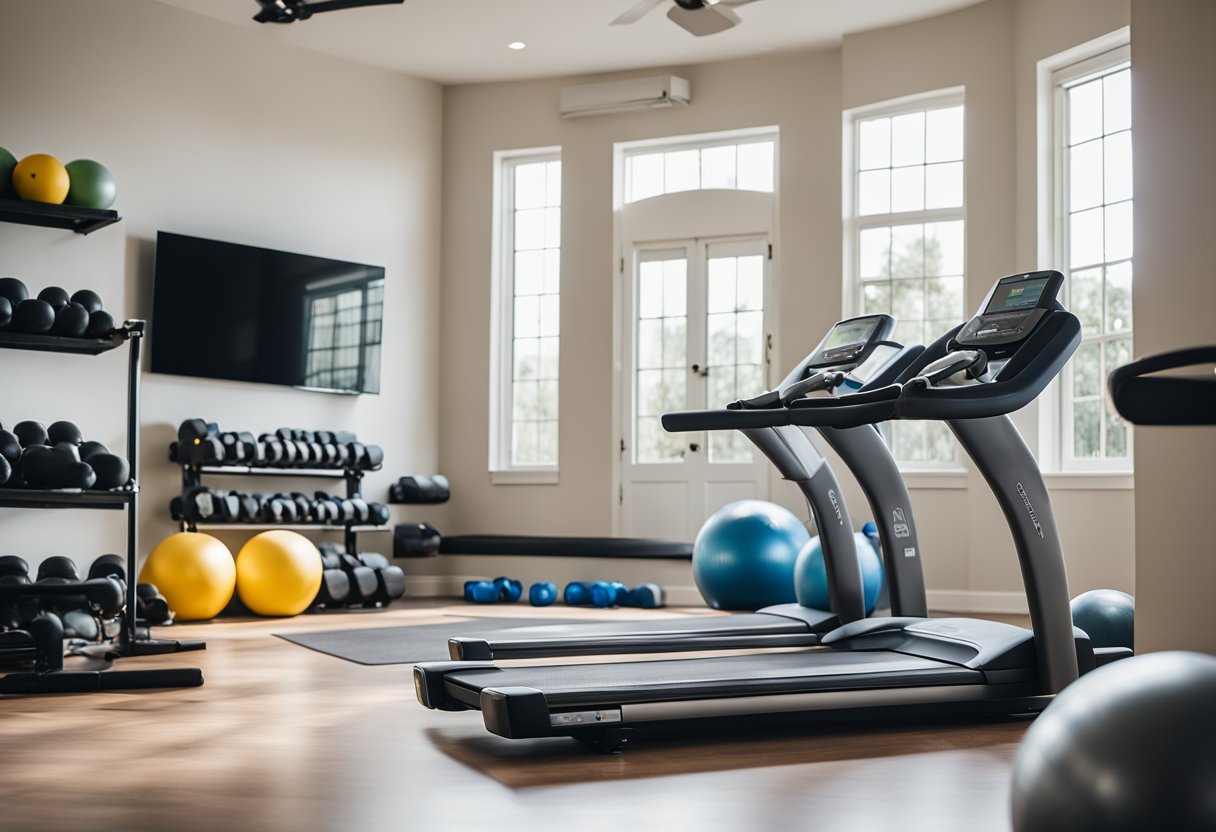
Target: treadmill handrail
(1165, 400)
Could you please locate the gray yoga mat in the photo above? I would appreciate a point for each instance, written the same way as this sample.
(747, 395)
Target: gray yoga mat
(406, 645)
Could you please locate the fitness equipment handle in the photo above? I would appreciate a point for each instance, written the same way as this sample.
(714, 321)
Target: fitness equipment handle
(1166, 400)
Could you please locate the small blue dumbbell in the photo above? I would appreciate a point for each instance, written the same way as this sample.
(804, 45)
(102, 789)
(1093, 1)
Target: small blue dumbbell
(577, 594)
(509, 589)
(646, 596)
(480, 592)
(605, 594)
(542, 593)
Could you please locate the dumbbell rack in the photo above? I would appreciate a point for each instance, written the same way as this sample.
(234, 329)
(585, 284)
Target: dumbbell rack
(192, 477)
(130, 642)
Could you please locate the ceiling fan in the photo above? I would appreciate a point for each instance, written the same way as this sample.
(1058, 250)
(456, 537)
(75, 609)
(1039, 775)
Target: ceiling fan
(289, 11)
(699, 17)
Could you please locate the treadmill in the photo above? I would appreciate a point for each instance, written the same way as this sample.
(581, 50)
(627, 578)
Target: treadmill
(996, 363)
(853, 357)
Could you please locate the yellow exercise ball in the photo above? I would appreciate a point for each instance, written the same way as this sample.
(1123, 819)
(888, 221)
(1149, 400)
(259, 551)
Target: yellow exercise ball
(278, 573)
(41, 178)
(194, 572)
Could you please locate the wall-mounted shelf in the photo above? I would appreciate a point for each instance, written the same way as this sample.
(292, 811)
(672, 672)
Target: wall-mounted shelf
(248, 470)
(80, 220)
(64, 498)
(315, 527)
(58, 343)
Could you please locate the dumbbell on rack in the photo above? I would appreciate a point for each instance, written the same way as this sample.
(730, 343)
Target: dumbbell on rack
(200, 442)
(366, 579)
(204, 504)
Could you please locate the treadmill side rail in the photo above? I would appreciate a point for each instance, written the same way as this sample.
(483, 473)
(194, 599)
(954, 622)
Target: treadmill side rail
(430, 688)
(517, 713)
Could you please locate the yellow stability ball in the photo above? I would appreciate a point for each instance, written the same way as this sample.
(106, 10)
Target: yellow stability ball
(41, 178)
(194, 572)
(278, 573)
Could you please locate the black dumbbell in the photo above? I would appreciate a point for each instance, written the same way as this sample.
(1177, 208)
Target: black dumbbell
(335, 589)
(88, 450)
(58, 569)
(89, 299)
(372, 458)
(198, 443)
(255, 454)
(80, 624)
(377, 514)
(363, 580)
(249, 508)
(234, 450)
(345, 437)
(30, 433)
(64, 432)
(362, 511)
(151, 606)
(108, 566)
(14, 565)
(10, 446)
(110, 471)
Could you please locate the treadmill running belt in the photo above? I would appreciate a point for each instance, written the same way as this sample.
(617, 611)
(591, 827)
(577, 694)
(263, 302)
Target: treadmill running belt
(596, 685)
(742, 624)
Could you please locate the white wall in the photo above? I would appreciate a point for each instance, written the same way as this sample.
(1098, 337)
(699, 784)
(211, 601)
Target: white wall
(990, 49)
(221, 132)
(1174, 114)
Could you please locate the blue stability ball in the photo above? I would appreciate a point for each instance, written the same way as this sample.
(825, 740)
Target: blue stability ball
(743, 558)
(1107, 616)
(1126, 748)
(811, 577)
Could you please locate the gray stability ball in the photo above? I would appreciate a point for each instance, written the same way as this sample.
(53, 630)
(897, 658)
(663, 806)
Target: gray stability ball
(1129, 746)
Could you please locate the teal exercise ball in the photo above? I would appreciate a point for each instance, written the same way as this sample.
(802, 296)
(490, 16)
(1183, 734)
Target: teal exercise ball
(1107, 616)
(91, 185)
(811, 576)
(744, 555)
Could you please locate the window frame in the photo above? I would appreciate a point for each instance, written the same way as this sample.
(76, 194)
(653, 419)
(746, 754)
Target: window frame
(698, 141)
(1056, 74)
(854, 223)
(502, 322)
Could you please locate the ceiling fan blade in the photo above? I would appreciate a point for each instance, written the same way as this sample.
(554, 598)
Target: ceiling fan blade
(709, 20)
(636, 12)
(335, 5)
(734, 2)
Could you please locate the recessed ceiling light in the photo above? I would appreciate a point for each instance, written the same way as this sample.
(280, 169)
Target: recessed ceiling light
(519, 44)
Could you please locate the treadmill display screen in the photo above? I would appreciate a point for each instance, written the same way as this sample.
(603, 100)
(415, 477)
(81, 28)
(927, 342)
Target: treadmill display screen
(1017, 295)
(841, 335)
(866, 370)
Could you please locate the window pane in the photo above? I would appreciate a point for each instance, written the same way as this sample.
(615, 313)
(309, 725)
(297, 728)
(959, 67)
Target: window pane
(527, 358)
(718, 167)
(675, 342)
(875, 252)
(546, 443)
(553, 183)
(1085, 238)
(727, 447)
(1086, 427)
(530, 185)
(944, 297)
(1116, 435)
(529, 272)
(939, 442)
(527, 316)
(1119, 297)
(674, 384)
(682, 171)
(523, 443)
(908, 300)
(944, 248)
(550, 315)
(907, 251)
(875, 297)
(675, 286)
(1085, 112)
(944, 135)
(721, 340)
(546, 399)
(908, 189)
(1119, 231)
(1118, 166)
(530, 229)
(1117, 353)
(721, 386)
(1117, 101)
(1085, 299)
(721, 284)
(553, 227)
(751, 282)
(756, 166)
(650, 289)
(645, 176)
(874, 192)
(875, 143)
(548, 358)
(1086, 372)
(908, 332)
(908, 139)
(650, 344)
(553, 266)
(750, 329)
(654, 444)
(650, 393)
(944, 185)
(1085, 176)
(525, 395)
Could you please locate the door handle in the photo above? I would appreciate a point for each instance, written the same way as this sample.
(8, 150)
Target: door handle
(694, 446)
(699, 370)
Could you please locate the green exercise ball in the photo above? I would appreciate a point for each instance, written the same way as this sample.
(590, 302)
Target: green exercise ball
(92, 185)
(7, 162)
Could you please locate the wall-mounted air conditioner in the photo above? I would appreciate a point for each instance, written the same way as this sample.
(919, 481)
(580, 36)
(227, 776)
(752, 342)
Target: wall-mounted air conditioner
(622, 96)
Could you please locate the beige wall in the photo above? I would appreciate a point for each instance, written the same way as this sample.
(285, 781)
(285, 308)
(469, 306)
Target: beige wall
(220, 132)
(1174, 113)
(990, 50)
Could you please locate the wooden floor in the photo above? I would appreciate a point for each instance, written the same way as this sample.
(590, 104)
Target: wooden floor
(284, 738)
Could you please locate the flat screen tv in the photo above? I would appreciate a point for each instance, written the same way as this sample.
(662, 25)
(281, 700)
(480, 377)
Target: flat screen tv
(242, 313)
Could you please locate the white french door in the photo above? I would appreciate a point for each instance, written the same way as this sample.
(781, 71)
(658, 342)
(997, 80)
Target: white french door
(695, 338)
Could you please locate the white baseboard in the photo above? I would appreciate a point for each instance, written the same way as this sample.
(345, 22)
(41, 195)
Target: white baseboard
(954, 600)
(448, 586)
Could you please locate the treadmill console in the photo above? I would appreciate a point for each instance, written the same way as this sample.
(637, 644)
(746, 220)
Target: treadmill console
(1012, 310)
(850, 342)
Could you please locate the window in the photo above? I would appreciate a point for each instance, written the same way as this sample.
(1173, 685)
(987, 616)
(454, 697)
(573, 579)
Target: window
(744, 165)
(527, 318)
(904, 233)
(1091, 243)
